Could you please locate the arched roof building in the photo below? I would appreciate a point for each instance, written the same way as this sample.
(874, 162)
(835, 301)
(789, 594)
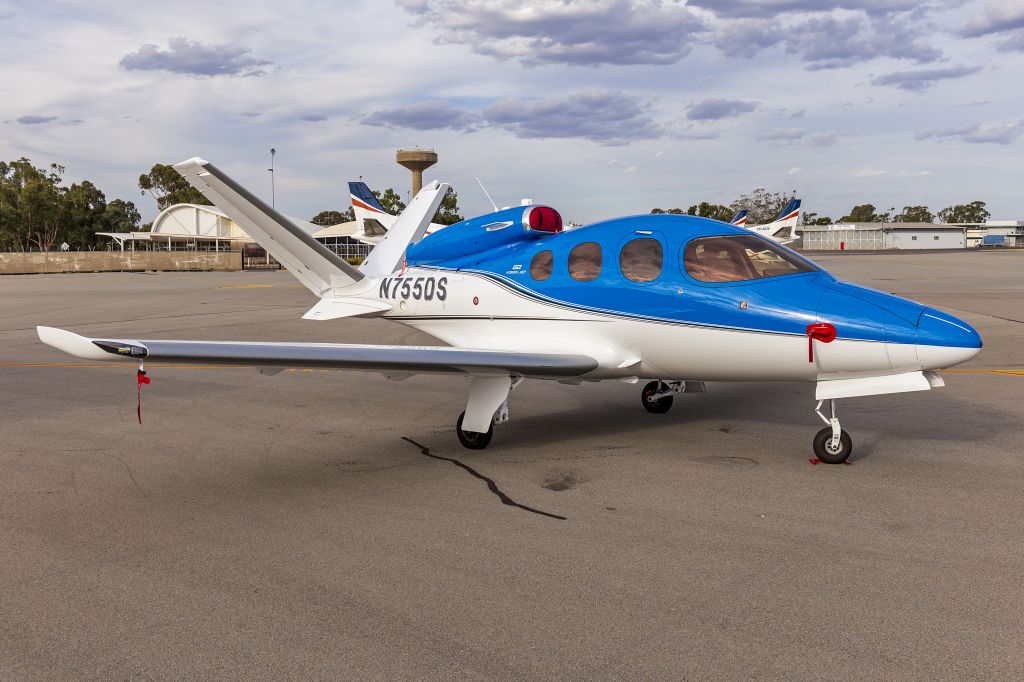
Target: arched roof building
(197, 227)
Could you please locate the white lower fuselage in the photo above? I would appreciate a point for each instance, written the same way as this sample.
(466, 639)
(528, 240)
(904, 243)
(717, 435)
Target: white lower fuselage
(479, 313)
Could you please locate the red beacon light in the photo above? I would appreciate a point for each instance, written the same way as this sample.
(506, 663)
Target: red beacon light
(542, 219)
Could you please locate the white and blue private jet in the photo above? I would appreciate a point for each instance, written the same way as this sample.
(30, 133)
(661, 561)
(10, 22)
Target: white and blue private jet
(674, 299)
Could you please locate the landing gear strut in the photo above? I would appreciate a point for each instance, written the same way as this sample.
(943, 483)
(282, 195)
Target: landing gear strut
(832, 445)
(487, 405)
(657, 396)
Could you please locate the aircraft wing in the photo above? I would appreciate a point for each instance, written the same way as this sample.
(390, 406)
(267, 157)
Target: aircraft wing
(397, 359)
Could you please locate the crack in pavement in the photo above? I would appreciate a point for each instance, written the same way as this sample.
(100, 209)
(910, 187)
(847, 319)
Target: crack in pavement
(491, 485)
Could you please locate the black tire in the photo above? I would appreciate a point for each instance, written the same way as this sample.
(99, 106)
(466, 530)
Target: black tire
(822, 451)
(659, 406)
(472, 439)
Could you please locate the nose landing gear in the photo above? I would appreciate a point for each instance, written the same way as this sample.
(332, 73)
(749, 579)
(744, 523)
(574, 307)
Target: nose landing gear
(657, 396)
(832, 445)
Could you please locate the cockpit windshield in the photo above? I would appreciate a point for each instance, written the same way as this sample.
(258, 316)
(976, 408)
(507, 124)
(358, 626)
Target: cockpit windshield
(737, 258)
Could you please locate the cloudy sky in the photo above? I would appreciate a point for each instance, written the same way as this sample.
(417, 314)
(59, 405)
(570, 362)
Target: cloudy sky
(597, 107)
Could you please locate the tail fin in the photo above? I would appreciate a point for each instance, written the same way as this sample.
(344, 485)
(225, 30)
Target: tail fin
(740, 219)
(312, 263)
(792, 211)
(372, 221)
(408, 228)
(785, 223)
(361, 194)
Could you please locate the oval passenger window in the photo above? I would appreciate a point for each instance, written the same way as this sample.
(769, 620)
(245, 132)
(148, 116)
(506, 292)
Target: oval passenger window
(540, 266)
(585, 262)
(641, 259)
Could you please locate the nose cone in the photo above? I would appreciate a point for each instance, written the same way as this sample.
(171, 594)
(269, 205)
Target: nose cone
(944, 340)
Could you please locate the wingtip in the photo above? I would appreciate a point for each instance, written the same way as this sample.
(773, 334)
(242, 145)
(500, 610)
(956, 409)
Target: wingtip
(71, 343)
(194, 162)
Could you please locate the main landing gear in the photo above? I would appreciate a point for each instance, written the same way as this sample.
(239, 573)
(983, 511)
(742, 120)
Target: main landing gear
(487, 405)
(473, 440)
(832, 445)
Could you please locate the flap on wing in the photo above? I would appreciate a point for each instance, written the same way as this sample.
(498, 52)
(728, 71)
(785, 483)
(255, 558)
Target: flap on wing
(390, 359)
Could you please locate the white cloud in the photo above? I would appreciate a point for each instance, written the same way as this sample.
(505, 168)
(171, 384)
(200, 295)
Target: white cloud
(878, 172)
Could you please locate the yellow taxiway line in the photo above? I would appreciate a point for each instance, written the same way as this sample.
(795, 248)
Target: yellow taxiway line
(1013, 372)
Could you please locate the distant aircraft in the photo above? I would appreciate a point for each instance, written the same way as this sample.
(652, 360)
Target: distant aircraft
(674, 299)
(372, 221)
(783, 228)
(740, 219)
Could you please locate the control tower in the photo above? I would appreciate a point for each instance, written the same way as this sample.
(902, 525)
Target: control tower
(416, 160)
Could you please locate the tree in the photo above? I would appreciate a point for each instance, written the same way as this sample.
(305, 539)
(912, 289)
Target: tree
(761, 205)
(167, 187)
(448, 212)
(973, 213)
(671, 211)
(865, 213)
(914, 214)
(390, 200)
(36, 209)
(713, 211)
(31, 204)
(328, 218)
(121, 216)
(811, 218)
(82, 214)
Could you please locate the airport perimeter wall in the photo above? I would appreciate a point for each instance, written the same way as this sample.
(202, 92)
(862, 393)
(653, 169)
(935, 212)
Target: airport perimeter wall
(30, 263)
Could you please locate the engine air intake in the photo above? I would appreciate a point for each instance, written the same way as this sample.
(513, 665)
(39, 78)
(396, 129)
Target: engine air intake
(542, 219)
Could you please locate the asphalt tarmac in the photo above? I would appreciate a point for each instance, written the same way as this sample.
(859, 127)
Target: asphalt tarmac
(328, 524)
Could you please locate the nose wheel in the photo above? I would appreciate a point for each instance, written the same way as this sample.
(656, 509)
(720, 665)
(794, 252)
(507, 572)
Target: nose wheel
(657, 396)
(832, 445)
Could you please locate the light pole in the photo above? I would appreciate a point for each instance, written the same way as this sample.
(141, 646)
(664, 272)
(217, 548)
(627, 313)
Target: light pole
(273, 192)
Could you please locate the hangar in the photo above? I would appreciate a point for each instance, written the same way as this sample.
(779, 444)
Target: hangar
(883, 236)
(898, 236)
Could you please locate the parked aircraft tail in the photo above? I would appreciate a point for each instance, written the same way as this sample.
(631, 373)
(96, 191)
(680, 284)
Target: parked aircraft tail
(784, 225)
(372, 221)
(740, 219)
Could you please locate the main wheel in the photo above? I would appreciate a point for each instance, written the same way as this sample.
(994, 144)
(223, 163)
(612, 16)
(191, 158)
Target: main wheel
(824, 450)
(659, 406)
(473, 439)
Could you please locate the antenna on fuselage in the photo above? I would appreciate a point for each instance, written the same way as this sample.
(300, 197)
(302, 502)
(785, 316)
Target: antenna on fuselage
(486, 194)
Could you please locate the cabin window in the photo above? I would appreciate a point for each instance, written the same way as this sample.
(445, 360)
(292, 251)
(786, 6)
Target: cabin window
(640, 260)
(737, 258)
(585, 262)
(540, 266)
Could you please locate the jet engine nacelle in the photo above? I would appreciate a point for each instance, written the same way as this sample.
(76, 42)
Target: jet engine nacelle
(486, 232)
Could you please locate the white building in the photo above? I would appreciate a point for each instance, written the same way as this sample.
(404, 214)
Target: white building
(883, 236)
(191, 227)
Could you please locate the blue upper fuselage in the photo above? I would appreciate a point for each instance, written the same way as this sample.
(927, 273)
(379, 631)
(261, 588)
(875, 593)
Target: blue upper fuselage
(780, 300)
